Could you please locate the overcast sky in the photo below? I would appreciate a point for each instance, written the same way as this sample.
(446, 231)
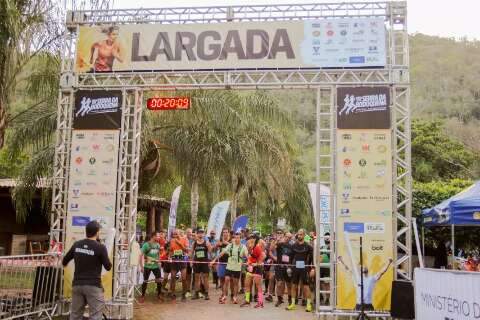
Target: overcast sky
(449, 18)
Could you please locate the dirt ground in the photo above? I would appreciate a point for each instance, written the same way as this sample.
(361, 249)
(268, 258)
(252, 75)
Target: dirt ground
(152, 309)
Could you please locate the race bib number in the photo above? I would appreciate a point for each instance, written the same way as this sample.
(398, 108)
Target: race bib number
(250, 269)
(300, 264)
(285, 258)
(178, 252)
(200, 254)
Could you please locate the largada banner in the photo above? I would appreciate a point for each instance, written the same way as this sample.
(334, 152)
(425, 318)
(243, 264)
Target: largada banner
(447, 294)
(327, 43)
(93, 173)
(364, 197)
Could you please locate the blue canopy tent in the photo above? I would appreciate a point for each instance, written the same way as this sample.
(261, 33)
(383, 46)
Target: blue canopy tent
(463, 209)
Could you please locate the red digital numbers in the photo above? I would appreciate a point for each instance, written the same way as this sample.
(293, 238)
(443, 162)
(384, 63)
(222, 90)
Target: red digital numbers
(170, 103)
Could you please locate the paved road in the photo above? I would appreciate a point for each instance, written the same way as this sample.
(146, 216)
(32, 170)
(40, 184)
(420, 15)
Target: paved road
(212, 310)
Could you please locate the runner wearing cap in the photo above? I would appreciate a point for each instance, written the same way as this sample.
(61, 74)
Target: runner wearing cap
(235, 251)
(256, 247)
(200, 251)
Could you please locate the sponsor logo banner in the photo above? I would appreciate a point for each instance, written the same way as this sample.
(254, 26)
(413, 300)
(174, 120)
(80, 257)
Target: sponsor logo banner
(343, 42)
(92, 193)
(364, 209)
(217, 218)
(363, 108)
(445, 294)
(97, 110)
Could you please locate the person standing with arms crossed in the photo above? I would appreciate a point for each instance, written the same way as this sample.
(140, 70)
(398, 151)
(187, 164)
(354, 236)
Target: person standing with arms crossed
(89, 255)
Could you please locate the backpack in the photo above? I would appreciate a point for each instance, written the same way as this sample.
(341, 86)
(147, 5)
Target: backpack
(239, 250)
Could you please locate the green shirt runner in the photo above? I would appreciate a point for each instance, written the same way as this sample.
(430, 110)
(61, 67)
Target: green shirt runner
(234, 256)
(151, 253)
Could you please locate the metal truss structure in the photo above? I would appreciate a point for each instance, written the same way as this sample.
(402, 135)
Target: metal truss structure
(325, 81)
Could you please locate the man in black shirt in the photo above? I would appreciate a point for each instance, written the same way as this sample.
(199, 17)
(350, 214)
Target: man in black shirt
(301, 257)
(283, 259)
(89, 256)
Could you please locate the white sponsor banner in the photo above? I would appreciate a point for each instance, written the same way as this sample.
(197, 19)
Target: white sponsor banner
(447, 295)
(324, 213)
(217, 218)
(325, 43)
(92, 192)
(172, 217)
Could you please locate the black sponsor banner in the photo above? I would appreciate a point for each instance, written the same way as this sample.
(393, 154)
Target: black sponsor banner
(363, 108)
(97, 110)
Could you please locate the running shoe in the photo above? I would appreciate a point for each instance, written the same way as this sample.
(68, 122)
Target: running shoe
(141, 299)
(309, 307)
(195, 296)
(235, 301)
(188, 294)
(258, 305)
(245, 304)
(278, 303)
(222, 300)
(207, 297)
(269, 298)
(291, 307)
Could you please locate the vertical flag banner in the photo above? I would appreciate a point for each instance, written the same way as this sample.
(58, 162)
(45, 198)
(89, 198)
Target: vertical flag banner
(217, 218)
(93, 173)
(324, 213)
(364, 197)
(172, 217)
(240, 223)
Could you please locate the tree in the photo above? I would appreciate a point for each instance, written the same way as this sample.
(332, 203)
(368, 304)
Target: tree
(27, 29)
(436, 155)
(228, 137)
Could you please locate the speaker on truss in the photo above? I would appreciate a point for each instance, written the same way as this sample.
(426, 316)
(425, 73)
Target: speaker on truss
(403, 300)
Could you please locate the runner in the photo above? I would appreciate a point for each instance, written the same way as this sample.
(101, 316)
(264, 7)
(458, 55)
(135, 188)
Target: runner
(213, 254)
(244, 267)
(178, 250)
(222, 266)
(283, 278)
(150, 264)
(235, 251)
(164, 250)
(256, 247)
(190, 281)
(200, 252)
(270, 271)
(301, 256)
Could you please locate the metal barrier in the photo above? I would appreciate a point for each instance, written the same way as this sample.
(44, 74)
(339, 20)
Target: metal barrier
(29, 286)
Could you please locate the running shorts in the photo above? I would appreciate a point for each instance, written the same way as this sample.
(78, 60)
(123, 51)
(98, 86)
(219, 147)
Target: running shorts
(200, 268)
(258, 270)
(146, 273)
(166, 267)
(300, 275)
(232, 274)
(221, 269)
(282, 275)
(178, 266)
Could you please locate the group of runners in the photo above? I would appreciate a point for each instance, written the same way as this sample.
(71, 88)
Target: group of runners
(240, 262)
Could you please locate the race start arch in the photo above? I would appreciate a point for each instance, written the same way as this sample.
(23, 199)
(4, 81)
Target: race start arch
(355, 55)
